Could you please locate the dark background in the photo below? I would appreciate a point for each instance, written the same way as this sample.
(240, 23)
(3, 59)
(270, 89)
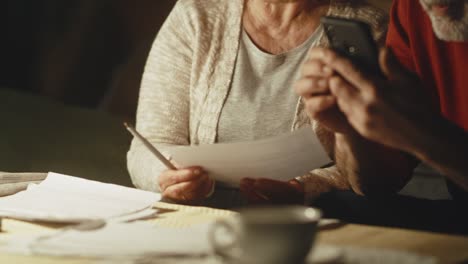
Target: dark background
(82, 52)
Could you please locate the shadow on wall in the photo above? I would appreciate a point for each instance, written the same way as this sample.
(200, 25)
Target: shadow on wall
(43, 135)
(81, 52)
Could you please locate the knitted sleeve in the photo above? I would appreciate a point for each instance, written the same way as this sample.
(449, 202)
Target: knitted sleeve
(164, 101)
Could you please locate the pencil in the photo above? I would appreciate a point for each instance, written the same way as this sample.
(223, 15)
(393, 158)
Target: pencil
(150, 147)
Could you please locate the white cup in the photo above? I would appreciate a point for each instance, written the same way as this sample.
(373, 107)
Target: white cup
(266, 235)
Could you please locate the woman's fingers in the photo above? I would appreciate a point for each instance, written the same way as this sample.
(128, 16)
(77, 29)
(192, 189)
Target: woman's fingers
(270, 191)
(248, 190)
(178, 192)
(280, 192)
(171, 177)
(273, 187)
(185, 185)
(190, 191)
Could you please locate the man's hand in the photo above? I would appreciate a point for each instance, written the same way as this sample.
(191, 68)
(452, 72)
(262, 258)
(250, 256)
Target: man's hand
(189, 186)
(266, 191)
(387, 111)
(375, 119)
(314, 88)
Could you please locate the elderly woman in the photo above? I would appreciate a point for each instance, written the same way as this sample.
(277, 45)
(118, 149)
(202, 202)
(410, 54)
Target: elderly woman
(223, 71)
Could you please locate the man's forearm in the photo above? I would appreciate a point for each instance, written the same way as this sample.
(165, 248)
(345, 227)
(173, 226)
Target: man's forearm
(371, 168)
(444, 146)
(321, 181)
(365, 167)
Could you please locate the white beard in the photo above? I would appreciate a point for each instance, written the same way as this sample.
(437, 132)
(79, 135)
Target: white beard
(447, 28)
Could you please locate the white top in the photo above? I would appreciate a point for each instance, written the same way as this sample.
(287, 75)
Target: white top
(261, 102)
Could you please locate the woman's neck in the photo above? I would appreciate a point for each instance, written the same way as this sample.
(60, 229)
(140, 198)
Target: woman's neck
(280, 26)
(277, 15)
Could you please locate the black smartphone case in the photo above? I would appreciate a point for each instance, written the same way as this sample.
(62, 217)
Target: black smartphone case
(353, 39)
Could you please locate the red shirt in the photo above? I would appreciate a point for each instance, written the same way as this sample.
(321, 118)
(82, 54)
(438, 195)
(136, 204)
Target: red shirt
(442, 66)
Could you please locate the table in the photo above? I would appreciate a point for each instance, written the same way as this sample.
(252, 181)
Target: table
(447, 248)
(97, 151)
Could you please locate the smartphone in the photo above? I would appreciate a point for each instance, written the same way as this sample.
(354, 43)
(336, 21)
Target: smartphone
(353, 40)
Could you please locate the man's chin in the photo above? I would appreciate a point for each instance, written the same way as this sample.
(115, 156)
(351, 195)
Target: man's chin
(453, 31)
(449, 20)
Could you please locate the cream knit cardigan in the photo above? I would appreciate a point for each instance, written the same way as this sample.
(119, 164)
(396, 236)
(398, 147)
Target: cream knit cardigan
(188, 75)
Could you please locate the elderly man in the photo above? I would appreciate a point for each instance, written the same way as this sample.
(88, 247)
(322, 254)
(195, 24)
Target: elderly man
(382, 126)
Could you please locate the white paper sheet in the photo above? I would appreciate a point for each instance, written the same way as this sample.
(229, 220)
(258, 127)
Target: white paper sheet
(8, 178)
(62, 198)
(11, 183)
(281, 158)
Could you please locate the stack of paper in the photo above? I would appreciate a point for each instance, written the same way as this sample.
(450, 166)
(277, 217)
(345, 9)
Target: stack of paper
(11, 183)
(62, 198)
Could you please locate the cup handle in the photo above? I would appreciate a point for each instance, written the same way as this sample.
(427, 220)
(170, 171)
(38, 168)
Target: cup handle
(226, 249)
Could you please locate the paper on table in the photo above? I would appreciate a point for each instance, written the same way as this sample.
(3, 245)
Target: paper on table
(6, 177)
(118, 239)
(281, 158)
(11, 183)
(62, 198)
(12, 188)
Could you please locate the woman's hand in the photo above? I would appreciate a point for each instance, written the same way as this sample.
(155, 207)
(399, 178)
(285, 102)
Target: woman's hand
(266, 191)
(189, 185)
